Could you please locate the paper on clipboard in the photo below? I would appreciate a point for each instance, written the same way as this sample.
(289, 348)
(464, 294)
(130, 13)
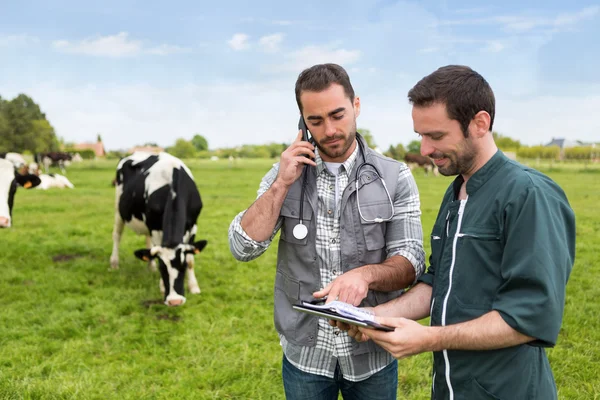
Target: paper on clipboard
(344, 312)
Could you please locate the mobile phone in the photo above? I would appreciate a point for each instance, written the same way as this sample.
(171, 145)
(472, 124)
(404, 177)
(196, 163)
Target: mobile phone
(303, 128)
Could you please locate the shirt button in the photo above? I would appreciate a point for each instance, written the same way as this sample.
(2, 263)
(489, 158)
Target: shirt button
(329, 212)
(330, 187)
(333, 241)
(336, 333)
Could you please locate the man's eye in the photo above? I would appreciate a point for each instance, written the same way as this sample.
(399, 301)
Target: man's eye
(338, 117)
(315, 123)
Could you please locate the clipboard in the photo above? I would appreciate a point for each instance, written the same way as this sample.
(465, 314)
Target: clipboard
(322, 312)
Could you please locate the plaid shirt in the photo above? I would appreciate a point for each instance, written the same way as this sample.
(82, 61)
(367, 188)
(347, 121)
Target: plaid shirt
(404, 237)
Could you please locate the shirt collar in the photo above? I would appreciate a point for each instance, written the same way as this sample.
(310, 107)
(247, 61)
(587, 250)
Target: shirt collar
(347, 165)
(482, 175)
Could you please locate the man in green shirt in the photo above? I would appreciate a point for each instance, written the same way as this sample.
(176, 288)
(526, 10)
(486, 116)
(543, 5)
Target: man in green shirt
(502, 249)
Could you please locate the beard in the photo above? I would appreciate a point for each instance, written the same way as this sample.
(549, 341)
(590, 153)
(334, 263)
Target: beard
(459, 162)
(339, 149)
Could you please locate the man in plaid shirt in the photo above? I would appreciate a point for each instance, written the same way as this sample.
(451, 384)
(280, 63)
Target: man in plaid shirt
(363, 242)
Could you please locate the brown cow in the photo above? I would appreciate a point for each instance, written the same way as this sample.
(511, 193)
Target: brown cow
(414, 160)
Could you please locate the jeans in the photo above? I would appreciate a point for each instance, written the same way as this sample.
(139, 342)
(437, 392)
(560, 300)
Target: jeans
(301, 385)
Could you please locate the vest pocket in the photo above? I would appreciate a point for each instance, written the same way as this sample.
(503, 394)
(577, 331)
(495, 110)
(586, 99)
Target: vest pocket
(374, 233)
(290, 211)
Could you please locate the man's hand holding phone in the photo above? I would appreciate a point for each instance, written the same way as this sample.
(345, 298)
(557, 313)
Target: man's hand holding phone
(293, 160)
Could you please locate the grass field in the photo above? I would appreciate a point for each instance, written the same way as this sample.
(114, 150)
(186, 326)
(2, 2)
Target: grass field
(72, 329)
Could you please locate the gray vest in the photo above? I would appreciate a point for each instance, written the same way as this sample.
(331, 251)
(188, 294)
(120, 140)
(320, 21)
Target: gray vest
(362, 243)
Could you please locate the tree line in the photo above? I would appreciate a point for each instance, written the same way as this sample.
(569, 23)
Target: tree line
(24, 127)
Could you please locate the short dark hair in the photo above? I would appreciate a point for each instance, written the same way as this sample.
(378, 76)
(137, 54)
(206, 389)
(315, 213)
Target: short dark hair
(462, 90)
(319, 77)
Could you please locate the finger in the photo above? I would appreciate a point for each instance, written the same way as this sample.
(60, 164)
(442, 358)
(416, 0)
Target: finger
(389, 321)
(298, 136)
(303, 149)
(343, 326)
(304, 160)
(323, 292)
(333, 293)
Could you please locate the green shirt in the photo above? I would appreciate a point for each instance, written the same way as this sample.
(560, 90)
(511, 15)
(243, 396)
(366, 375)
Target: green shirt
(508, 247)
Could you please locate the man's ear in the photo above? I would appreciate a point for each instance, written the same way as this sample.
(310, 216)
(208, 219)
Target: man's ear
(199, 246)
(28, 181)
(145, 254)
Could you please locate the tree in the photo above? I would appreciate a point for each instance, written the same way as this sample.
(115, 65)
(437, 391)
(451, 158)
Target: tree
(182, 149)
(396, 152)
(24, 127)
(414, 147)
(505, 143)
(366, 134)
(99, 139)
(200, 142)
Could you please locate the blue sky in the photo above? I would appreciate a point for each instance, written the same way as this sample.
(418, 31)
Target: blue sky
(149, 71)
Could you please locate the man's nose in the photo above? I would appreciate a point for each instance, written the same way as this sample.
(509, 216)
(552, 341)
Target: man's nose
(426, 147)
(329, 128)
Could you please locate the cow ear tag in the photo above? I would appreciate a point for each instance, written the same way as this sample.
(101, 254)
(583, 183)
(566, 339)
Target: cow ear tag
(145, 258)
(28, 184)
(300, 231)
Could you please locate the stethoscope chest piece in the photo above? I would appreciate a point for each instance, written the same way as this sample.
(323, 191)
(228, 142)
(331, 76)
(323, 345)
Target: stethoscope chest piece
(300, 231)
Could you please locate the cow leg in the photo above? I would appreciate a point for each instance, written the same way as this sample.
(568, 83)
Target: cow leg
(152, 263)
(117, 232)
(47, 161)
(192, 281)
(161, 286)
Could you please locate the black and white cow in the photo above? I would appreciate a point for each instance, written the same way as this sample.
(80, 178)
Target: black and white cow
(156, 196)
(9, 180)
(59, 158)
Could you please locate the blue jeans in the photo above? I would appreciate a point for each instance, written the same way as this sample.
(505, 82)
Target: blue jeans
(301, 385)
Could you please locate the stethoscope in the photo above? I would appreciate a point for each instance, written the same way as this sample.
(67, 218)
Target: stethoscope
(300, 231)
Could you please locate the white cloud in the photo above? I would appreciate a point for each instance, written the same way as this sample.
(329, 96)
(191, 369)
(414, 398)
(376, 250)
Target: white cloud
(239, 41)
(494, 46)
(118, 45)
(115, 46)
(282, 22)
(165, 49)
(297, 60)
(270, 43)
(521, 24)
(429, 50)
(17, 40)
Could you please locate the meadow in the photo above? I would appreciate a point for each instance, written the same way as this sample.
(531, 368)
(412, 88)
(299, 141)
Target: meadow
(71, 328)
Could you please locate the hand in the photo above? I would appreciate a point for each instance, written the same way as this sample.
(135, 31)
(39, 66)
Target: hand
(351, 329)
(409, 337)
(350, 288)
(292, 160)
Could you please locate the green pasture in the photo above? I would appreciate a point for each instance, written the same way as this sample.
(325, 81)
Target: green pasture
(70, 328)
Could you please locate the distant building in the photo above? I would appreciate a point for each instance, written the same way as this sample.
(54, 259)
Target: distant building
(147, 149)
(97, 147)
(563, 143)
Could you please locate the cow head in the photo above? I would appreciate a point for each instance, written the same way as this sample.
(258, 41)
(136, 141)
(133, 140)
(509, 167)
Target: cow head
(172, 264)
(9, 180)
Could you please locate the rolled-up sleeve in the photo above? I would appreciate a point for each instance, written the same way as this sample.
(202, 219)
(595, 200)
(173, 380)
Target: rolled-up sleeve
(242, 246)
(404, 234)
(538, 258)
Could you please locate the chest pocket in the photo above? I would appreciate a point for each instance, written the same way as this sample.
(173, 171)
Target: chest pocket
(290, 211)
(477, 269)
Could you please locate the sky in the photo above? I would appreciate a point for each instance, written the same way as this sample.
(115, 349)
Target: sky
(155, 71)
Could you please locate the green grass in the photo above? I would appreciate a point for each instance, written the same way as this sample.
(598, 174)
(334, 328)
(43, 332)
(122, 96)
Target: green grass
(73, 329)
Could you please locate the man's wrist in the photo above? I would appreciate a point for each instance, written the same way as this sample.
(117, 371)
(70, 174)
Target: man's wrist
(432, 340)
